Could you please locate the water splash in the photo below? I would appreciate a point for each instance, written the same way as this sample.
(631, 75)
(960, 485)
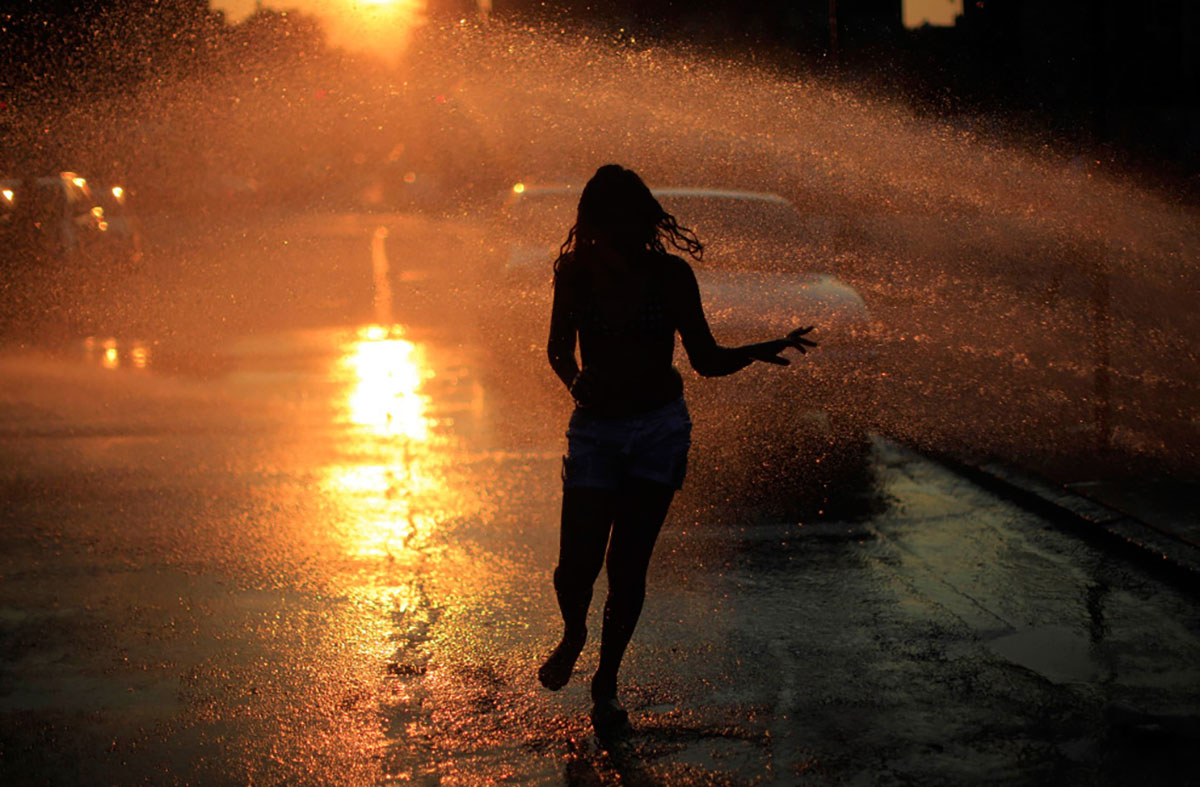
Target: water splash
(1030, 303)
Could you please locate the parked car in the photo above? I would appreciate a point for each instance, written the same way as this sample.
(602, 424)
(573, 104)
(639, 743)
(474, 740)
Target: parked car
(123, 238)
(761, 275)
(59, 218)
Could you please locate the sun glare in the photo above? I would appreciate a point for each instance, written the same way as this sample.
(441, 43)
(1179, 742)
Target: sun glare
(382, 28)
(378, 27)
(386, 398)
(390, 489)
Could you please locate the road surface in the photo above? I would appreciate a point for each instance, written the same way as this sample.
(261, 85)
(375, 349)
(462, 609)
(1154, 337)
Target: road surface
(288, 516)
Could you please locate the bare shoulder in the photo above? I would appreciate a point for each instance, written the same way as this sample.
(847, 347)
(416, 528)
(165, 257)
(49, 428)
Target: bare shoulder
(676, 266)
(677, 271)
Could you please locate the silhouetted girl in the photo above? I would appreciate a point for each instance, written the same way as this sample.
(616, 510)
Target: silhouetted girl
(618, 290)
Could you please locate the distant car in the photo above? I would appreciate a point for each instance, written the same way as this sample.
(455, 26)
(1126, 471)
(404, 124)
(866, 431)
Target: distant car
(763, 273)
(123, 239)
(49, 217)
(59, 218)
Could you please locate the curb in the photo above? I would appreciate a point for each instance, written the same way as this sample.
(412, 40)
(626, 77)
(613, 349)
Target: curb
(1153, 547)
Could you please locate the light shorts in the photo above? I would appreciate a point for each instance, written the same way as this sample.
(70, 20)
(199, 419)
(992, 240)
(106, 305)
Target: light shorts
(604, 452)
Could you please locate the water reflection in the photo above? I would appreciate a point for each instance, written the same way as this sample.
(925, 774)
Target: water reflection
(392, 494)
(382, 444)
(387, 372)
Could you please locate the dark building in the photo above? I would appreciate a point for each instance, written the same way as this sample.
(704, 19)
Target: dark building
(1090, 71)
(1122, 73)
(814, 30)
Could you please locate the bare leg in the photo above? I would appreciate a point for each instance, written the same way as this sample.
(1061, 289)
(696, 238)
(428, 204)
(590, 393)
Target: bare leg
(587, 516)
(639, 518)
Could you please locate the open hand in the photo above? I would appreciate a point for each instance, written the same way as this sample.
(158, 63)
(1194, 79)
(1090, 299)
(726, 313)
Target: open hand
(771, 352)
(796, 339)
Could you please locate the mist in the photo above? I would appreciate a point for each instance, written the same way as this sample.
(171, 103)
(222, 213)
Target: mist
(1028, 300)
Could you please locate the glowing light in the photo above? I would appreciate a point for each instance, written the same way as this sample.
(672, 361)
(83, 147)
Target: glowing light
(379, 27)
(8, 195)
(98, 212)
(111, 359)
(80, 182)
(373, 333)
(118, 193)
(385, 397)
(519, 188)
(139, 356)
(394, 498)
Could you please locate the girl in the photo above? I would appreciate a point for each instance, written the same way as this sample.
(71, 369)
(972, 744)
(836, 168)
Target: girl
(624, 296)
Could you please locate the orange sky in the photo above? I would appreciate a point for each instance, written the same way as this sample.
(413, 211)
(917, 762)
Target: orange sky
(916, 12)
(381, 27)
(936, 12)
(236, 10)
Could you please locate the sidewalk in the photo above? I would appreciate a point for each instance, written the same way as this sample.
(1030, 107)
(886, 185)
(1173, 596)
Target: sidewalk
(1170, 506)
(1154, 519)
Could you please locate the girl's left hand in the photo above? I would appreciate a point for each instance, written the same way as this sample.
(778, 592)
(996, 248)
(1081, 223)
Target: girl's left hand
(771, 352)
(796, 339)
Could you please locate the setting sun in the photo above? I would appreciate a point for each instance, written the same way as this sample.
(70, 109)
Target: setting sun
(378, 27)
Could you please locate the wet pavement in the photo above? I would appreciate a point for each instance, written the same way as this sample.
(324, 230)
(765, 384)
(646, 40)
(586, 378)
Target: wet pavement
(304, 534)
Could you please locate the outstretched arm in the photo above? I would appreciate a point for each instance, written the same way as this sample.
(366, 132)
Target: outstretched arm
(770, 351)
(714, 360)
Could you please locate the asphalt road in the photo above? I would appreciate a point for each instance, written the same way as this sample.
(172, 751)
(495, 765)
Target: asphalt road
(290, 517)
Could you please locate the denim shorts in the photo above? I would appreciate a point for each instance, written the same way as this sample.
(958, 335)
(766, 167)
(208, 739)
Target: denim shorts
(604, 452)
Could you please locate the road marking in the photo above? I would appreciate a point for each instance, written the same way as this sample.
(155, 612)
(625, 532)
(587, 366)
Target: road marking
(379, 266)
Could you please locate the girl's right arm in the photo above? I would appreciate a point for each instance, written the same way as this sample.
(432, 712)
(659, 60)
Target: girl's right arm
(561, 346)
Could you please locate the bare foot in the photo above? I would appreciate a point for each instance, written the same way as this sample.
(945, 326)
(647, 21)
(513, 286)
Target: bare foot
(556, 671)
(608, 717)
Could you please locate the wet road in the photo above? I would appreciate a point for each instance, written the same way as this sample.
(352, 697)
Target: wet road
(297, 525)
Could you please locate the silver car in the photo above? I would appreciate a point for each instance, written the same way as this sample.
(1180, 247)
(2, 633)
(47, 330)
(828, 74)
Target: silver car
(54, 218)
(764, 272)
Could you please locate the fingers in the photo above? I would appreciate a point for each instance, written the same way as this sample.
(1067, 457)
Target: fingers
(796, 338)
(798, 332)
(771, 352)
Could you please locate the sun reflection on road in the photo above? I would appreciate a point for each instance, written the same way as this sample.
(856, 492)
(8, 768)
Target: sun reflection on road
(392, 492)
(387, 371)
(401, 506)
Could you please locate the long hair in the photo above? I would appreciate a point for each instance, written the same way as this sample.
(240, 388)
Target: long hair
(617, 207)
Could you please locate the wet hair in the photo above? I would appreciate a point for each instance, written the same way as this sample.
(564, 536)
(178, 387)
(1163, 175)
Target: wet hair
(616, 206)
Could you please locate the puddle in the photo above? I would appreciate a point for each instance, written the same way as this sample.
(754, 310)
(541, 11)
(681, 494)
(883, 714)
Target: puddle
(1058, 653)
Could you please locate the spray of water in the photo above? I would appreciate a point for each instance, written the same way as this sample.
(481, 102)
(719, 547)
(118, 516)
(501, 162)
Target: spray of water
(1028, 303)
